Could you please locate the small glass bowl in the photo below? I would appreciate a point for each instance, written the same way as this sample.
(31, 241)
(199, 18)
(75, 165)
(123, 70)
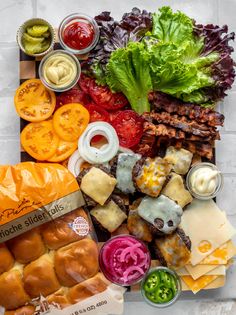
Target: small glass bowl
(104, 268)
(78, 17)
(53, 87)
(219, 181)
(31, 22)
(179, 288)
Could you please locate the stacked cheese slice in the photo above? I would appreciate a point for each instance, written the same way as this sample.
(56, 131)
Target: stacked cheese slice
(212, 248)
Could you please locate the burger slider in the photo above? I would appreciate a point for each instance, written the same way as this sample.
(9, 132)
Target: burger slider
(162, 213)
(6, 259)
(149, 175)
(60, 232)
(27, 246)
(97, 183)
(39, 277)
(76, 262)
(173, 250)
(122, 167)
(111, 215)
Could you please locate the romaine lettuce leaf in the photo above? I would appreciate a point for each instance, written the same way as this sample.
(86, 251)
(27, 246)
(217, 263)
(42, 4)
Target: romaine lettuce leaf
(128, 72)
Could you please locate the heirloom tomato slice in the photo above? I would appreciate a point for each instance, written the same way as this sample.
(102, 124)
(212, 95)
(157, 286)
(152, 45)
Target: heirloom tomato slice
(97, 113)
(75, 95)
(129, 128)
(40, 140)
(69, 121)
(104, 97)
(63, 151)
(33, 101)
(84, 83)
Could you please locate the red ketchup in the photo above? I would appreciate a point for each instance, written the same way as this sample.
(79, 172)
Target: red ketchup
(124, 260)
(78, 35)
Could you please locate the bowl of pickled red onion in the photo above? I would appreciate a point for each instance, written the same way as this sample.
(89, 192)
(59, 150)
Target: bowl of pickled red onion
(124, 260)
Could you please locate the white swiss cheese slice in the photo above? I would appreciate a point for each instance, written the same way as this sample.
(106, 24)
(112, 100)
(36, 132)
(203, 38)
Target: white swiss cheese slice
(98, 185)
(202, 270)
(207, 227)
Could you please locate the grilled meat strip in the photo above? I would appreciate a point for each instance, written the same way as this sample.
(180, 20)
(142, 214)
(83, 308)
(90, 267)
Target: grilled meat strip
(161, 101)
(171, 132)
(181, 122)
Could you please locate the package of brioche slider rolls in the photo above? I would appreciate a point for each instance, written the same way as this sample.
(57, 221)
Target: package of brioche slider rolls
(48, 248)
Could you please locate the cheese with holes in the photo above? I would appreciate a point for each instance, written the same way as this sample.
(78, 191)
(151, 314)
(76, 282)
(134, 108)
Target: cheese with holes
(217, 283)
(208, 270)
(176, 191)
(110, 216)
(221, 255)
(98, 185)
(199, 284)
(207, 227)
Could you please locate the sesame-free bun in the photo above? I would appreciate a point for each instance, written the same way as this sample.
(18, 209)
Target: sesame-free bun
(59, 232)
(12, 293)
(76, 262)
(27, 246)
(39, 277)
(6, 259)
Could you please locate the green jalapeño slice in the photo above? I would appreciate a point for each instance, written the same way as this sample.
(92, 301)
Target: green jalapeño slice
(161, 287)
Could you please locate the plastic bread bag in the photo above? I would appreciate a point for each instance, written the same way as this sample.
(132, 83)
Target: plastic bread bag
(51, 265)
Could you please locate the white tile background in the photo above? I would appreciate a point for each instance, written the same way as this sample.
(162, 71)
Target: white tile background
(15, 12)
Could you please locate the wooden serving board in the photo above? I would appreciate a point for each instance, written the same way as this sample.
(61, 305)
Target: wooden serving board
(29, 70)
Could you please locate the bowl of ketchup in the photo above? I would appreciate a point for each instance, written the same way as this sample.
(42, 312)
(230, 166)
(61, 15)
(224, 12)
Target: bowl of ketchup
(124, 260)
(78, 33)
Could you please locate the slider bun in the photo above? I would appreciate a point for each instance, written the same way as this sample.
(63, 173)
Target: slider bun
(88, 288)
(27, 246)
(12, 293)
(6, 259)
(39, 277)
(76, 262)
(25, 310)
(58, 233)
(59, 298)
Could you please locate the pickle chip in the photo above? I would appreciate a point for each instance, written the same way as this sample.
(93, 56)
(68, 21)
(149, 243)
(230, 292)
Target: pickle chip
(32, 39)
(33, 48)
(37, 30)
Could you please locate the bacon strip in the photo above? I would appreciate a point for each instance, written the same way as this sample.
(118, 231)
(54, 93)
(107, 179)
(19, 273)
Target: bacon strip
(181, 122)
(161, 101)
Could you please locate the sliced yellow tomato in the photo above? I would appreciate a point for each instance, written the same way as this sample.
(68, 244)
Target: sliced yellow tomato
(40, 140)
(70, 120)
(33, 101)
(63, 151)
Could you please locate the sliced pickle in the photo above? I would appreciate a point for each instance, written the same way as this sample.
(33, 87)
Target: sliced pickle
(33, 48)
(33, 40)
(46, 34)
(37, 30)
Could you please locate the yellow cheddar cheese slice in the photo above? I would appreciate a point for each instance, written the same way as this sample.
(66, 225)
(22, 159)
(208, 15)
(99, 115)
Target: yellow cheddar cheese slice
(215, 284)
(199, 284)
(207, 227)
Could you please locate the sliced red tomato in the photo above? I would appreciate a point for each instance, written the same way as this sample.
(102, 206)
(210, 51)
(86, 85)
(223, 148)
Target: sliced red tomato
(75, 95)
(113, 115)
(97, 113)
(103, 97)
(84, 83)
(129, 128)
